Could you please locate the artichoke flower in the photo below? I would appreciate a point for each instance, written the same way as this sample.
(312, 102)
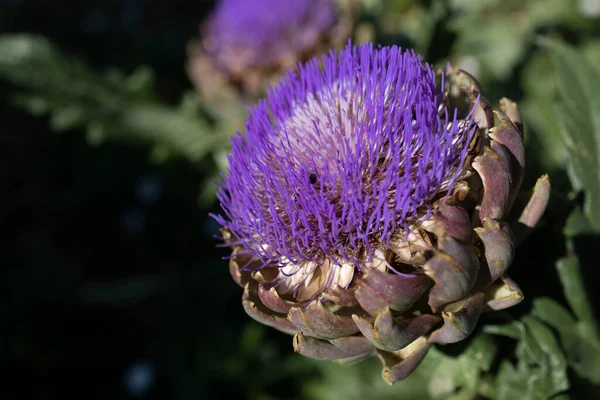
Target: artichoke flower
(248, 43)
(367, 205)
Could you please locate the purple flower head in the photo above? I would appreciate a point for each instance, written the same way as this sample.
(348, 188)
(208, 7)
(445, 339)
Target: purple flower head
(255, 33)
(339, 160)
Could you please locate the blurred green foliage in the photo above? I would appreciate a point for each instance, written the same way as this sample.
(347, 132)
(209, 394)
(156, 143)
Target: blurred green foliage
(110, 261)
(111, 105)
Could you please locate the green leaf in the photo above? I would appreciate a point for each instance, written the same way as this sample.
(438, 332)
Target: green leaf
(578, 332)
(541, 370)
(549, 353)
(570, 278)
(498, 32)
(509, 382)
(440, 376)
(538, 109)
(580, 345)
(579, 86)
(554, 12)
(361, 381)
(107, 106)
(577, 224)
(459, 377)
(510, 330)
(579, 335)
(552, 313)
(497, 43)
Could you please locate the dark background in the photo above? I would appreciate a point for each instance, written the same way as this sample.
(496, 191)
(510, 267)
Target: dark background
(79, 222)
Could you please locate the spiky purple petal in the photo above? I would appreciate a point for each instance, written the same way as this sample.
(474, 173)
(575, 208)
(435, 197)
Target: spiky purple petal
(337, 159)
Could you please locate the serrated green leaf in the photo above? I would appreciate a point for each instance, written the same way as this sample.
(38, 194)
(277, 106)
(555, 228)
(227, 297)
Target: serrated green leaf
(581, 348)
(363, 380)
(592, 50)
(578, 224)
(498, 33)
(552, 313)
(68, 117)
(108, 106)
(497, 43)
(510, 384)
(458, 377)
(480, 353)
(578, 334)
(579, 86)
(36, 105)
(570, 278)
(555, 381)
(95, 133)
(510, 330)
(439, 376)
(541, 370)
(141, 81)
(474, 6)
(582, 340)
(540, 115)
(547, 12)
(539, 111)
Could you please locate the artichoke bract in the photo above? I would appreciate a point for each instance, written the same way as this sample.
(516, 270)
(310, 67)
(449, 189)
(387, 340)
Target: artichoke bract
(247, 43)
(367, 205)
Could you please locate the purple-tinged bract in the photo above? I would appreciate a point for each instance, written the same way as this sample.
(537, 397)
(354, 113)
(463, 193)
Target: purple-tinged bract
(340, 158)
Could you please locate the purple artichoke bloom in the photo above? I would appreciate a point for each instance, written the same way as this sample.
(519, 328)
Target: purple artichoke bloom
(246, 42)
(366, 204)
(335, 163)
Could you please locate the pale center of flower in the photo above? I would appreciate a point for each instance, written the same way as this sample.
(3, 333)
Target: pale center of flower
(326, 130)
(328, 125)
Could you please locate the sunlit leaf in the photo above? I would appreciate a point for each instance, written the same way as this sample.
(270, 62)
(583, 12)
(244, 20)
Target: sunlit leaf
(539, 111)
(579, 86)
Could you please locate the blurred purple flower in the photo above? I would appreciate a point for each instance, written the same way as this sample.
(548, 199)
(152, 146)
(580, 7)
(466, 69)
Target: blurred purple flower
(250, 42)
(255, 33)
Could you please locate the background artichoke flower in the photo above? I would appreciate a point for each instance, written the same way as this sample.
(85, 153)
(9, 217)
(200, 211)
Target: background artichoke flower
(368, 208)
(248, 43)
